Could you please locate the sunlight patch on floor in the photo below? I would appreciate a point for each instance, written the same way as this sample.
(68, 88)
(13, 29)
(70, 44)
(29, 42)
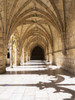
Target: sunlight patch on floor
(36, 82)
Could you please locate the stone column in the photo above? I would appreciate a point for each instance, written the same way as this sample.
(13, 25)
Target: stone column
(53, 60)
(64, 44)
(18, 54)
(2, 55)
(11, 53)
(24, 56)
(17, 57)
(48, 54)
(28, 57)
(48, 58)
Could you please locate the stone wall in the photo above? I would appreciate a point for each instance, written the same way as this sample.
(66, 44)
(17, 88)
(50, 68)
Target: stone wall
(68, 61)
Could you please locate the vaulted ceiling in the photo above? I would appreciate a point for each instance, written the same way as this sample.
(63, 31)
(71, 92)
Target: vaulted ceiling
(33, 21)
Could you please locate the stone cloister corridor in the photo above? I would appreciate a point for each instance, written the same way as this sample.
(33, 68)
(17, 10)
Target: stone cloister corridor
(37, 49)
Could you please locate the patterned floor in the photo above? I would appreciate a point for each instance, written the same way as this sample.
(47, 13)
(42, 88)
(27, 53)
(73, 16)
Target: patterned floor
(37, 80)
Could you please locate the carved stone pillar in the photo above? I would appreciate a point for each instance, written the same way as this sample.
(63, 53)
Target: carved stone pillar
(24, 56)
(18, 54)
(64, 44)
(2, 55)
(28, 57)
(18, 57)
(48, 54)
(11, 53)
(53, 60)
(48, 57)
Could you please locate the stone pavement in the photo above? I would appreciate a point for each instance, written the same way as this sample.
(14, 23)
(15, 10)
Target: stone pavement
(37, 80)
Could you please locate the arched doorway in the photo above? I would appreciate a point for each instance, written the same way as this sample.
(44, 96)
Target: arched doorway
(37, 53)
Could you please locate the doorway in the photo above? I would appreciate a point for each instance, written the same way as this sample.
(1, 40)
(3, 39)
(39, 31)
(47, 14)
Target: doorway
(37, 54)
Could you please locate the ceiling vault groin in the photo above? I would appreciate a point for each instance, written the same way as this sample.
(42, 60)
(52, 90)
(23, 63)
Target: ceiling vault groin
(34, 21)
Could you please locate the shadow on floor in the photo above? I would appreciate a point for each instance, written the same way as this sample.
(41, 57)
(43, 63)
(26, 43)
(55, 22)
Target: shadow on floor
(57, 73)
